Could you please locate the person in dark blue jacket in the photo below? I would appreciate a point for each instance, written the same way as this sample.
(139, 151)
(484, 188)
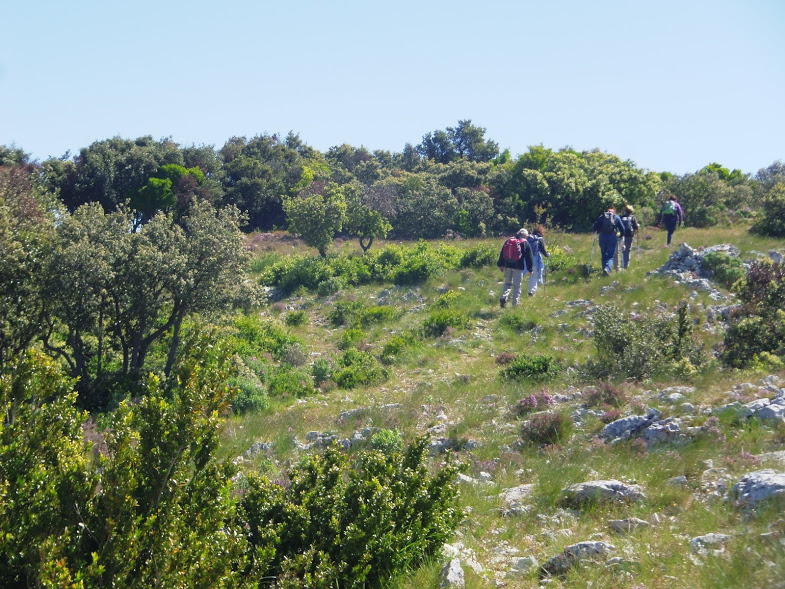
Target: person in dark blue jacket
(608, 226)
(515, 266)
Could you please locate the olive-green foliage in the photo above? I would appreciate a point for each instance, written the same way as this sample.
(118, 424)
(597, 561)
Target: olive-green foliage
(249, 395)
(351, 522)
(374, 315)
(317, 214)
(151, 508)
(399, 342)
(480, 255)
(397, 264)
(257, 336)
(517, 321)
(726, 269)
(288, 380)
(759, 326)
(538, 367)
(447, 299)
(321, 370)
(387, 441)
(559, 259)
(351, 338)
(772, 220)
(637, 348)
(441, 319)
(357, 368)
(344, 312)
(294, 318)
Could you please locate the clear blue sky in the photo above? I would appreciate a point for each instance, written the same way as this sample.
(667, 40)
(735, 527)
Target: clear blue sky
(672, 85)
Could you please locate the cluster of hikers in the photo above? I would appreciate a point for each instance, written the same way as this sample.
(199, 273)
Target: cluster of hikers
(524, 253)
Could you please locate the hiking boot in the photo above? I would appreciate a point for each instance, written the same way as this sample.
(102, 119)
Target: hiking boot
(605, 272)
(531, 293)
(502, 302)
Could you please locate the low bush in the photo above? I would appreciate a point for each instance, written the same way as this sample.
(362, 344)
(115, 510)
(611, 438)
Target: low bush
(480, 255)
(344, 312)
(351, 338)
(397, 344)
(356, 368)
(250, 395)
(537, 367)
(287, 380)
(387, 441)
(374, 315)
(759, 325)
(441, 319)
(546, 428)
(294, 318)
(322, 371)
(256, 336)
(532, 403)
(517, 321)
(605, 393)
(726, 270)
(350, 522)
(772, 220)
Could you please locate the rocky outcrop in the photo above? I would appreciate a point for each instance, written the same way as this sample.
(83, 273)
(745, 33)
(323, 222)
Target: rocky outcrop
(576, 554)
(756, 487)
(610, 491)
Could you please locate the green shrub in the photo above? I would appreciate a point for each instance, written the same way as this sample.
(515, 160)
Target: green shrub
(374, 315)
(759, 325)
(484, 254)
(351, 338)
(605, 393)
(560, 259)
(546, 428)
(387, 441)
(397, 344)
(350, 522)
(447, 299)
(538, 367)
(294, 318)
(322, 371)
(356, 368)
(330, 286)
(706, 216)
(638, 347)
(441, 319)
(256, 336)
(249, 395)
(726, 269)
(287, 380)
(772, 220)
(344, 312)
(517, 321)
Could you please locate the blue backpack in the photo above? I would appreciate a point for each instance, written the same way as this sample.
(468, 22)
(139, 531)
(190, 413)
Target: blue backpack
(534, 242)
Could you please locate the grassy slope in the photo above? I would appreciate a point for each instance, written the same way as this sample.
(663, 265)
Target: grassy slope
(455, 374)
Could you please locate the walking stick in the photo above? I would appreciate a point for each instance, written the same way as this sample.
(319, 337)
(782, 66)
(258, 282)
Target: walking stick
(591, 258)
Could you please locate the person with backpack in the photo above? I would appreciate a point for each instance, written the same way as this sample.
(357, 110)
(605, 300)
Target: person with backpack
(608, 226)
(515, 260)
(537, 242)
(630, 229)
(671, 214)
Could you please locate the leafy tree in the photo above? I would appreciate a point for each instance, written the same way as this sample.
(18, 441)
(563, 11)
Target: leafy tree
(317, 214)
(362, 221)
(422, 207)
(466, 141)
(26, 230)
(114, 293)
(110, 171)
(13, 156)
(262, 171)
(148, 506)
(772, 220)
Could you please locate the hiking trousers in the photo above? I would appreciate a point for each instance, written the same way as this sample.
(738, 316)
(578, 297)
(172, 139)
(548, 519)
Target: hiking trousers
(627, 249)
(535, 276)
(512, 280)
(670, 222)
(608, 243)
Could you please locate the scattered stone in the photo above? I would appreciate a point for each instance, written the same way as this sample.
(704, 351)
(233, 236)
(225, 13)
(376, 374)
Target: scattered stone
(758, 486)
(257, 448)
(452, 575)
(522, 567)
(576, 554)
(630, 524)
(514, 500)
(679, 481)
(710, 542)
(601, 492)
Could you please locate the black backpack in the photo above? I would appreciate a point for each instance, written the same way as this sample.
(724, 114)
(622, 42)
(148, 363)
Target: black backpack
(608, 226)
(629, 227)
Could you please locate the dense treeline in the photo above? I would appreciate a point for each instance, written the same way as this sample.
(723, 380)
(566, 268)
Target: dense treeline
(454, 180)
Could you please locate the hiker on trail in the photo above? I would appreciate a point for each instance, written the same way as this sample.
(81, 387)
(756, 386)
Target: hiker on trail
(608, 226)
(630, 229)
(537, 242)
(670, 214)
(515, 260)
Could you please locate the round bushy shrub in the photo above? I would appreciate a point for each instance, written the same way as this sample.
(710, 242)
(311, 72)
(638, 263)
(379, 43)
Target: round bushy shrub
(726, 270)
(387, 441)
(546, 428)
(531, 367)
(295, 318)
(441, 319)
(356, 368)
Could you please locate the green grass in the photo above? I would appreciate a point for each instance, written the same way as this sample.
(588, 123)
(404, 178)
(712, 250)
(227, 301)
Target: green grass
(456, 374)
